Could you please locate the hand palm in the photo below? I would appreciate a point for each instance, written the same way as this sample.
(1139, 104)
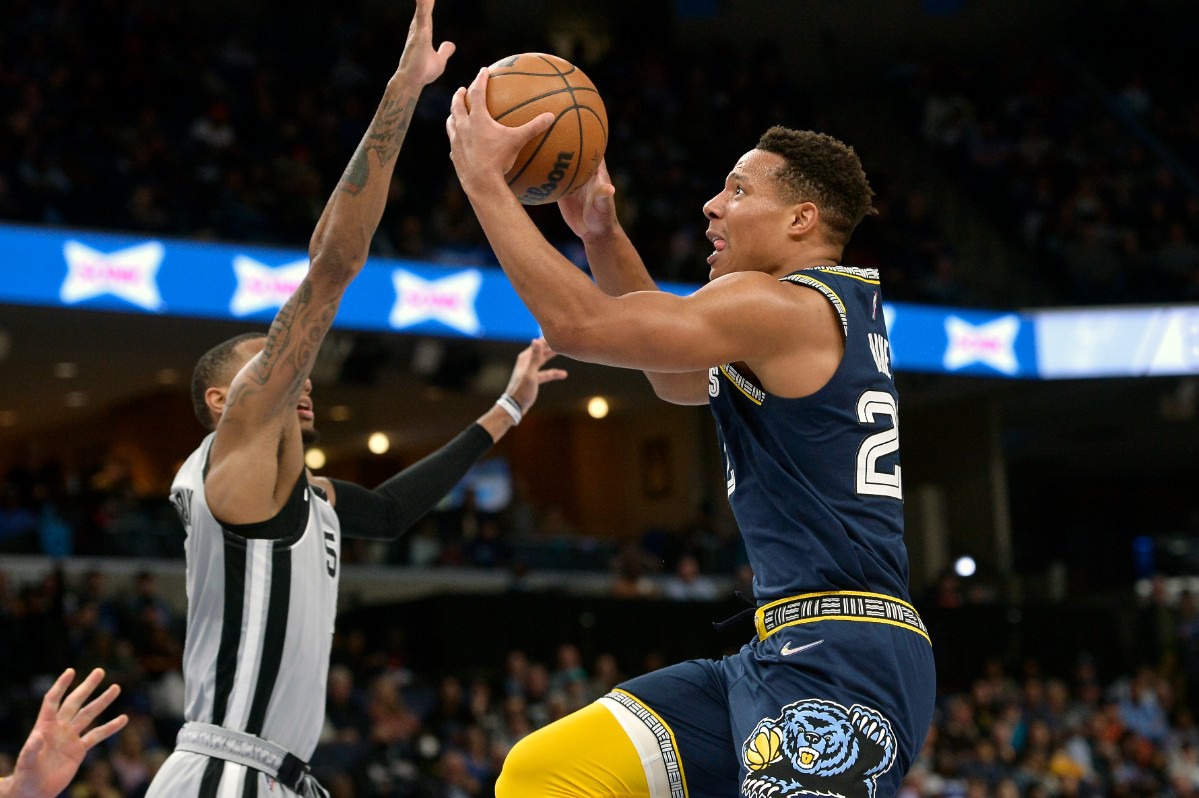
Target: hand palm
(529, 374)
(60, 739)
(49, 759)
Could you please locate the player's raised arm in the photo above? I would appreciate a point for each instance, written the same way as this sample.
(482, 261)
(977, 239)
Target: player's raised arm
(261, 412)
(618, 269)
(646, 330)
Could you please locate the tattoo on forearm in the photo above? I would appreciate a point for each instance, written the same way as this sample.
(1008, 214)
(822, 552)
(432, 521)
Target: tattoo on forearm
(384, 137)
(294, 338)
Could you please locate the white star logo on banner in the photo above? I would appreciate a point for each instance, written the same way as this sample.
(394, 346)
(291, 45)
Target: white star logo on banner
(993, 343)
(262, 287)
(450, 300)
(128, 273)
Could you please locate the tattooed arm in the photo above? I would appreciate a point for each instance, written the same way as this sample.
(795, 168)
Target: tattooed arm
(258, 452)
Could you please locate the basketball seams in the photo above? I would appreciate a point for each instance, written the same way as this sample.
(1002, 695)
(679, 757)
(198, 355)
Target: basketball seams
(527, 178)
(540, 97)
(557, 68)
(572, 90)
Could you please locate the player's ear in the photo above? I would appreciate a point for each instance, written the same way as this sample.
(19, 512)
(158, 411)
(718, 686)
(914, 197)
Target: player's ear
(805, 216)
(215, 397)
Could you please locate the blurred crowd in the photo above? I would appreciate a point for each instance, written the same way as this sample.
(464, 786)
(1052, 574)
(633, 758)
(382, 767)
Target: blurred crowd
(151, 118)
(51, 510)
(392, 730)
(1084, 155)
(238, 128)
(235, 126)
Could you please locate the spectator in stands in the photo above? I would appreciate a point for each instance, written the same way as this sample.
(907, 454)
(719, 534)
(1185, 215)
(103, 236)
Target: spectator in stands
(631, 580)
(688, 584)
(346, 718)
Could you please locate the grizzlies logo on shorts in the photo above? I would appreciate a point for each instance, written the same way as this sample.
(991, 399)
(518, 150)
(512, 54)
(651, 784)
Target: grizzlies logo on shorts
(818, 748)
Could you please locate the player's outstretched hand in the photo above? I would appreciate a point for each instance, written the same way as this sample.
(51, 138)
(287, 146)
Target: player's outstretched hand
(590, 212)
(51, 756)
(420, 61)
(528, 374)
(482, 149)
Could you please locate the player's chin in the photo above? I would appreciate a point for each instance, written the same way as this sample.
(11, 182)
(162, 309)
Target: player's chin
(715, 266)
(308, 434)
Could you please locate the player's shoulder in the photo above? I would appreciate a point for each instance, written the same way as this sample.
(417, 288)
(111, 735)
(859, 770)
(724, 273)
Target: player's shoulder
(757, 284)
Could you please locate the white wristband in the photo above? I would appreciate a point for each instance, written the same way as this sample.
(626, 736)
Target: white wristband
(511, 407)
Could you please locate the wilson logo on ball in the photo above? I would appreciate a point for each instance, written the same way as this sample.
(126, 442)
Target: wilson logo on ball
(536, 195)
(558, 162)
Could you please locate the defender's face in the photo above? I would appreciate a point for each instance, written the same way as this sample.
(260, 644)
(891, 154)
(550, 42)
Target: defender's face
(748, 220)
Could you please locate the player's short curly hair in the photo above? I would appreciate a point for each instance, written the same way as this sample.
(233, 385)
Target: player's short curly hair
(823, 170)
(215, 367)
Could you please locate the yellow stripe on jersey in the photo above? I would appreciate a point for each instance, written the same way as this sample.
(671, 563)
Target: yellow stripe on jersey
(864, 275)
(829, 293)
(752, 392)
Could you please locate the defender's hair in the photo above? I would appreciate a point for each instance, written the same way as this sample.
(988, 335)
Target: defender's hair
(213, 368)
(823, 170)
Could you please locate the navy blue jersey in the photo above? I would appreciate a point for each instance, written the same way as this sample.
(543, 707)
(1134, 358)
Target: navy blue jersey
(815, 483)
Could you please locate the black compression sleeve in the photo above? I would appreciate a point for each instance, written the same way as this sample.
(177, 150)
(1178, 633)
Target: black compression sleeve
(392, 508)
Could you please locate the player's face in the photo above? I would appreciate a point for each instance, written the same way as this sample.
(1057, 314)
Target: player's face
(748, 220)
(304, 408)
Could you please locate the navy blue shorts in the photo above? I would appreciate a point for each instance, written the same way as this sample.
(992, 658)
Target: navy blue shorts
(831, 707)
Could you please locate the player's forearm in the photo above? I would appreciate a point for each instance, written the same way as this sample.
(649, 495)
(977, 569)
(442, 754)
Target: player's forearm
(393, 507)
(616, 265)
(618, 269)
(561, 297)
(341, 241)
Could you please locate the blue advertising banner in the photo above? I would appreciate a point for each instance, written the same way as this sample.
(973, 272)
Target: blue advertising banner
(135, 274)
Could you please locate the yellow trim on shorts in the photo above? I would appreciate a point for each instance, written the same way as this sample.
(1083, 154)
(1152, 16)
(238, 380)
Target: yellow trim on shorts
(674, 744)
(760, 624)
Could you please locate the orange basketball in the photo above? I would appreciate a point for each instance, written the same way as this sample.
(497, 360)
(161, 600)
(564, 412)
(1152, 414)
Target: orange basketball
(559, 161)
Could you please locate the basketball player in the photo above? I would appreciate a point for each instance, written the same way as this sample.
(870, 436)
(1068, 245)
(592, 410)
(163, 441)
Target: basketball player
(60, 738)
(263, 536)
(834, 693)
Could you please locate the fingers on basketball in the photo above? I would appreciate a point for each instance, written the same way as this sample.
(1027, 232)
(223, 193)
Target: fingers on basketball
(560, 160)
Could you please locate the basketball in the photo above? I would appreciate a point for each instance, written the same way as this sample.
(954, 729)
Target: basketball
(561, 160)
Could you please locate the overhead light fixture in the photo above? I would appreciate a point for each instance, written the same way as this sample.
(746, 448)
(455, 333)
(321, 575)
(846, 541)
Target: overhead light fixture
(314, 458)
(66, 370)
(76, 399)
(597, 407)
(378, 443)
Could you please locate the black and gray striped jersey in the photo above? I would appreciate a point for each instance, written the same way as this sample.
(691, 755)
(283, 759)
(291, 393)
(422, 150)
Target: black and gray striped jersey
(262, 600)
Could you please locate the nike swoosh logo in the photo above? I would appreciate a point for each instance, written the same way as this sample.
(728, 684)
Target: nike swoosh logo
(787, 651)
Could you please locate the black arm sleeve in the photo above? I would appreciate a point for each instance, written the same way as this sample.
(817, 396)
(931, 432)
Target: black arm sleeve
(391, 509)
